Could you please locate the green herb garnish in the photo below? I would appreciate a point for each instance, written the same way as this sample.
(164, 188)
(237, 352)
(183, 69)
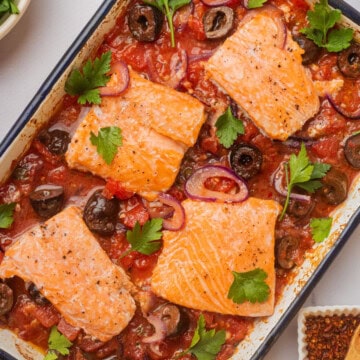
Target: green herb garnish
(205, 345)
(107, 142)
(321, 28)
(146, 239)
(168, 7)
(249, 286)
(6, 215)
(58, 344)
(86, 83)
(253, 4)
(228, 128)
(320, 228)
(8, 6)
(303, 174)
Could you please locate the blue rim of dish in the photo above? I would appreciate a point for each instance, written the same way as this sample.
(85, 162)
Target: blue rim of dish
(64, 62)
(54, 76)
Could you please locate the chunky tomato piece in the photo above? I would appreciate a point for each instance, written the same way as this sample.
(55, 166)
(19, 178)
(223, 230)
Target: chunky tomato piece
(47, 315)
(23, 322)
(220, 184)
(45, 153)
(114, 188)
(135, 211)
(68, 330)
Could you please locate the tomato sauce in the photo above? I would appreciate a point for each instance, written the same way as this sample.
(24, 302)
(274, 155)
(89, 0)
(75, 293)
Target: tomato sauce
(181, 68)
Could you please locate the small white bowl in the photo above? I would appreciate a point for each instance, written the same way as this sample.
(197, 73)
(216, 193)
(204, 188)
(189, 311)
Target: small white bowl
(320, 311)
(7, 22)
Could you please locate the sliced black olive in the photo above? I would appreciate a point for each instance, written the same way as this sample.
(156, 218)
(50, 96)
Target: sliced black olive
(6, 299)
(145, 22)
(101, 214)
(311, 51)
(335, 187)
(352, 150)
(36, 295)
(349, 61)
(218, 22)
(56, 141)
(245, 160)
(174, 320)
(300, 208)
(47, 200)
(285, 251)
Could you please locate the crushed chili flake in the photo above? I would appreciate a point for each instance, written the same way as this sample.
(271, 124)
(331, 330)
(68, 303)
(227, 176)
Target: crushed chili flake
(328, 337)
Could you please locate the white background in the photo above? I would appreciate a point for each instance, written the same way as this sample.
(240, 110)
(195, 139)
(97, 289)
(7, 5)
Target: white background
(30, 52)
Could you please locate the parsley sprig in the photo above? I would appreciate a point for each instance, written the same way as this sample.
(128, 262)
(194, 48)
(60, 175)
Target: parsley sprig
(85, 83)
(8, 6)
(321, 28)
(145, 239)
(205, 345)
(6, 215)
(58, 344)
(320, 228)
(303, 174)
(249, 286)
(107, 142)
(168, 8)
(253, 4)
(228, 128)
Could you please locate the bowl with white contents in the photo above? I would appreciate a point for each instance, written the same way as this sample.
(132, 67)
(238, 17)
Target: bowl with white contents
(10, 13)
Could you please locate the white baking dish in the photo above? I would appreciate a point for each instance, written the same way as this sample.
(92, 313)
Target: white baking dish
(266, 330)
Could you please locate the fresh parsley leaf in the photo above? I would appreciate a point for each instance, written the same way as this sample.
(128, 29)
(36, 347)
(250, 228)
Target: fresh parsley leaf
(50, 355)
(321, 28)
(303, 174)
(320, 228)
(252, 4)
(168, 8)
(8, 6)
(228, 128)
(107, 142)
(249, 286)
(6, 215)
(205, 345)
(86, 83)
(145, 240)
(57, 344)
(339, 39)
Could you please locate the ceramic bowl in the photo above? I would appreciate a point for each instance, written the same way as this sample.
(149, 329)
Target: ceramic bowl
(7, 21)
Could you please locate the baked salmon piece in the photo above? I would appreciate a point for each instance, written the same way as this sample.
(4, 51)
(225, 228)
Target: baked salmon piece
(260, 67)
(158, 125)
(66, 263)
(196, 264)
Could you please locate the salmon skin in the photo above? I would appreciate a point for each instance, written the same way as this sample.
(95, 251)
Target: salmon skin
(196, 264)
(260, 67)
(158, 125)
(69, 267)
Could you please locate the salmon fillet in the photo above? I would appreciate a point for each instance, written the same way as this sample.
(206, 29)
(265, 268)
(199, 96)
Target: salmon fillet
(260, 67)
(196, 264)
(158, 125)
(64, 260)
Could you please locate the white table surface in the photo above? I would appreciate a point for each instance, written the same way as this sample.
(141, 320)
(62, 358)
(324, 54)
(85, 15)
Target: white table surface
(30, 52)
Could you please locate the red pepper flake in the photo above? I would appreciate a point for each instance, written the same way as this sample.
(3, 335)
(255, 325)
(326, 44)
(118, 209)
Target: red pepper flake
(328, 337)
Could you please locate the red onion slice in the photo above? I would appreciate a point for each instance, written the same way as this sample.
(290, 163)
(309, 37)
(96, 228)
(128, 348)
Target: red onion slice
(121, 81)
(201, 56)
(160, 330)
(282, 190)
(351, 115)
(217, 2)
(178, 69)
(195, 185)
(177, 220)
